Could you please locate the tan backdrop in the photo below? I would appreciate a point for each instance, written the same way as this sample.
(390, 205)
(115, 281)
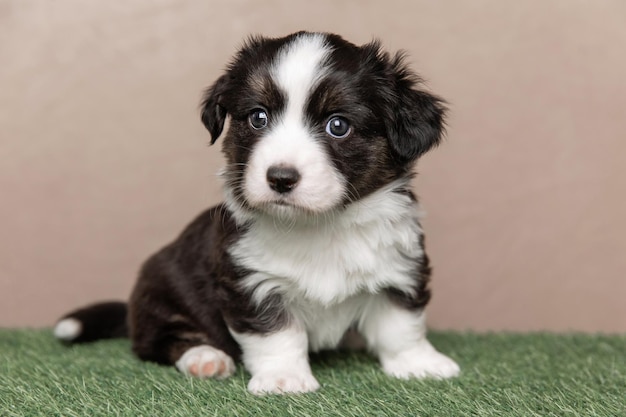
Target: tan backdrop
(103, 158)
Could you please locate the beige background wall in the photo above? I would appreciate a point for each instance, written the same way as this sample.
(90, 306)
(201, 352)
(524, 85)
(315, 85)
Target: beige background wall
(103, 158)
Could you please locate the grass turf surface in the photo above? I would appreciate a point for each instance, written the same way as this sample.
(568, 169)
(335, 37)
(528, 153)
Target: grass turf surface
(502, 375)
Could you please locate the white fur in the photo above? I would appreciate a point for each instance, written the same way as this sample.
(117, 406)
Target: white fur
(330, 271)
(327, 324)
(278, 361)
(68, 329)
(289, 141)
(370, 245)
(205, 361)
(398, 336)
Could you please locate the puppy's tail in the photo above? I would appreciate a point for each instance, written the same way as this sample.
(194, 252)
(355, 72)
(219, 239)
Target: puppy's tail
(98, 321)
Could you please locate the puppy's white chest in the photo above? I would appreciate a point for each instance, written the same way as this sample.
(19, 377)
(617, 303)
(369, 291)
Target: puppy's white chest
(326, 325)
(370, 246)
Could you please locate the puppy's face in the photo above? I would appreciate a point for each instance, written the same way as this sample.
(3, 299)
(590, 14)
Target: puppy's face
(317, 122)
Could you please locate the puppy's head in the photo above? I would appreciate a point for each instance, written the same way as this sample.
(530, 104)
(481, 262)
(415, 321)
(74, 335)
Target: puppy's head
(317, 122)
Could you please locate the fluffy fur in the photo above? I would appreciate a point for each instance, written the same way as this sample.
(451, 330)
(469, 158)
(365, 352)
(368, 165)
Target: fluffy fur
(318, 243)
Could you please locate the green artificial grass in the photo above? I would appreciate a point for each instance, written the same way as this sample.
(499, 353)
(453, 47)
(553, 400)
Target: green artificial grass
(502, 375)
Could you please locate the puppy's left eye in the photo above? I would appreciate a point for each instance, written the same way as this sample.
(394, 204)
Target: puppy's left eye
(338, 127)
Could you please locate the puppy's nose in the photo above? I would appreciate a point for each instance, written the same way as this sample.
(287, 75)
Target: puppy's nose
(282, 179)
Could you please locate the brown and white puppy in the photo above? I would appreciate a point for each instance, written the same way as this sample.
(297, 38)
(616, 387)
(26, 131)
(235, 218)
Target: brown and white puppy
(318, 239)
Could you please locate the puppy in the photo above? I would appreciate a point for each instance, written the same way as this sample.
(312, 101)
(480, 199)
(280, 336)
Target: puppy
(318, 243)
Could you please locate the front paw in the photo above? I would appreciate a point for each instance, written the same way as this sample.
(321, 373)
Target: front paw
(422, 362)
(282, 382)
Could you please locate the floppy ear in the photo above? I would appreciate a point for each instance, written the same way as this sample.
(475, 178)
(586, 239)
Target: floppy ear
(416, 120)
(213, 112)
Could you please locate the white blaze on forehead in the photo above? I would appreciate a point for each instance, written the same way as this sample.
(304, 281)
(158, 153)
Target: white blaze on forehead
(288, 140)
(298, 69)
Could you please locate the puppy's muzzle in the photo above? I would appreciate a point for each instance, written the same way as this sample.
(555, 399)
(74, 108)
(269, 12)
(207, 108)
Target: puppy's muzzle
(282, 179)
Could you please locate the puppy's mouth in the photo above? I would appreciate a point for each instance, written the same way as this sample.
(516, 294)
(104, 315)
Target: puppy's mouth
(281, 204)
(284, 207)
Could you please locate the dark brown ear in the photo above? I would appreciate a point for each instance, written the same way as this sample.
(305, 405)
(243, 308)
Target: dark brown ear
(416, 120)
(213, 112)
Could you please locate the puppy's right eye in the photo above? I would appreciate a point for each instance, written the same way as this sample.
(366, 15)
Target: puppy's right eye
(258, 119)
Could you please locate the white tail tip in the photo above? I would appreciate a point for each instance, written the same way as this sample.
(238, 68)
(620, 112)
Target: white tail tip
(68, 329)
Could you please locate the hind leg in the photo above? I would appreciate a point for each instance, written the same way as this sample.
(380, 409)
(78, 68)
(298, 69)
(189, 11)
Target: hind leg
(160, 333)
(178, 342)
(174, 321)
(205, 361)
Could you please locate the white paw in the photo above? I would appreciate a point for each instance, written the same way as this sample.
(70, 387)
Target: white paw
(422, 362)
(282, 382)
(206, 362)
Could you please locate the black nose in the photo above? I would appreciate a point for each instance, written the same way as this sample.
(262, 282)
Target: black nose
(282, 178)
